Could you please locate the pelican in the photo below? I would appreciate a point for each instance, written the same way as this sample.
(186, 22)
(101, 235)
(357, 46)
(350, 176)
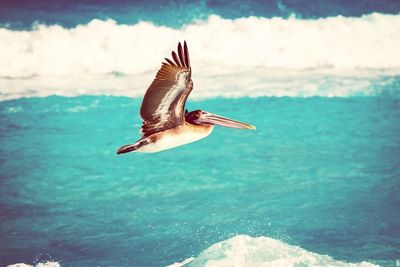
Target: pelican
(166, 123)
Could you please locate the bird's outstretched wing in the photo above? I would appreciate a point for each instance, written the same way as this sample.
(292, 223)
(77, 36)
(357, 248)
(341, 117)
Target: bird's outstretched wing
(164, 102)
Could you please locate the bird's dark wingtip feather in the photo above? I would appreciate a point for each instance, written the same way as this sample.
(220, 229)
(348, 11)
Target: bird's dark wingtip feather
(186, 51)
(181, 56)
(175, 57)
(170, 62)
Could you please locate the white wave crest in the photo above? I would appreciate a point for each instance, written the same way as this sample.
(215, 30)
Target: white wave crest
(244, 250)
(40, 264)
(229, 57)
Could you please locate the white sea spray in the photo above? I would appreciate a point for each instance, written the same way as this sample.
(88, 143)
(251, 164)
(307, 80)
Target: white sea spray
(253, 56)
(244, 250)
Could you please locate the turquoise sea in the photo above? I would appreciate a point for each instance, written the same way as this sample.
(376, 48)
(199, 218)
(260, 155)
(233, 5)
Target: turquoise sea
(317, 184)
(319, 173)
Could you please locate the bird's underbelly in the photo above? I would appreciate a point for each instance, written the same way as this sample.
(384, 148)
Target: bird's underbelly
(173, 138)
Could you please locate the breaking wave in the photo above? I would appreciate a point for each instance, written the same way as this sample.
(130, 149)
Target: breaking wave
(230, 57)
(40, 264)
(244, 250)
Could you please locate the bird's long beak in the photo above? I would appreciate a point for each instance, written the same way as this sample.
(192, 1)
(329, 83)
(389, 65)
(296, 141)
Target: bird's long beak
(222, 121)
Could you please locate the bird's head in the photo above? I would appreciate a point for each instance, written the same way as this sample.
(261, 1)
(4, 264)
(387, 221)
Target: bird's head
(200, 117)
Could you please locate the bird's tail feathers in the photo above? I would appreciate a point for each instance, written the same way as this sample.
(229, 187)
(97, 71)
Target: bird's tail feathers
(132, 147)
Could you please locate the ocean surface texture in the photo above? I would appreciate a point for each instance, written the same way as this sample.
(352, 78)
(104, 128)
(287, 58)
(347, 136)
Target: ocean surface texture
(317, 184)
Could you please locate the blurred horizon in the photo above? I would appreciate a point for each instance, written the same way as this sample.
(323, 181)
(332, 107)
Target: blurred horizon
(22, 15)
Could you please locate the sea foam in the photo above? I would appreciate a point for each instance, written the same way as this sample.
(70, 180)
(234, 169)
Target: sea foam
(230, 57)
(40, 264)
(244, 250)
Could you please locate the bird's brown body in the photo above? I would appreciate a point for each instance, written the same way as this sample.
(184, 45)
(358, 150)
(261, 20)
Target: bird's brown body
(166, 124)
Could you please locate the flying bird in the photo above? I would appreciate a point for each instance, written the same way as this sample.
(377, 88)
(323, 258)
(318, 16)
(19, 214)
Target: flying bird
(166, 123)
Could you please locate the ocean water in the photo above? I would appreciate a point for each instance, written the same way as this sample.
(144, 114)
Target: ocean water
(320, 173)
(317, 184)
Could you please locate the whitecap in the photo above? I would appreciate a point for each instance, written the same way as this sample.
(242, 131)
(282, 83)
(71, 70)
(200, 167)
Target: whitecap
(243, 250)
(250, 56)
(40, 264)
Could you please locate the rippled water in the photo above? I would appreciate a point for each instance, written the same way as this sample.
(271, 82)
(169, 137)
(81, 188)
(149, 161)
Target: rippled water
(320, 173)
